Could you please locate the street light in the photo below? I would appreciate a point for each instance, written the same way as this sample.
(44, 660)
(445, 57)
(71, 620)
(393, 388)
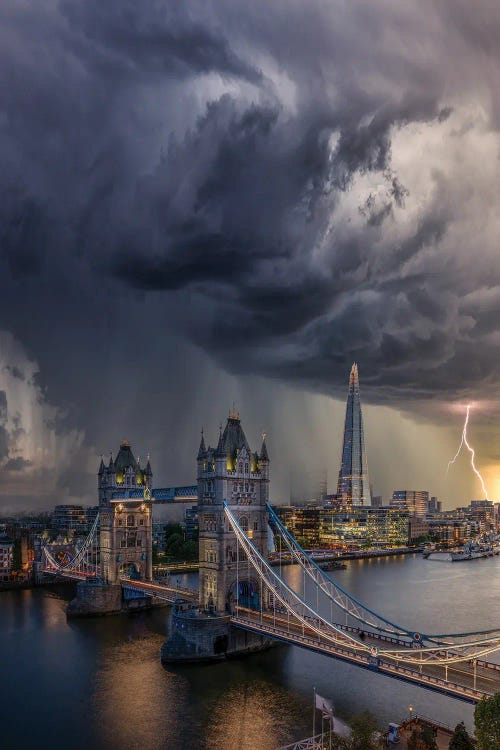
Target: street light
(410, 709)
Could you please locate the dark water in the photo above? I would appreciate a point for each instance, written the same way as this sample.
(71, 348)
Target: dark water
(99, 683)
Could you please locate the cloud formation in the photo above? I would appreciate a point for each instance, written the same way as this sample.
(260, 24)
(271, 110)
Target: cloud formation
(37, 450)
(288, 188)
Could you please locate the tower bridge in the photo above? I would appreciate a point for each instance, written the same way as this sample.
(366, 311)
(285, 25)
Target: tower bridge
(243, 603)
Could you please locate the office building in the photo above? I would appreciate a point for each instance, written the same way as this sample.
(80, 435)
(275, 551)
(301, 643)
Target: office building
(416, 502)
(6, 558)
(353, 486)
(343, 526)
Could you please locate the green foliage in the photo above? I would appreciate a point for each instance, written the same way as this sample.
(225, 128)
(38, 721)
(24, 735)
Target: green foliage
(363, 729)
(487, 723)
(178, 548)
(461, 739)
(173, 529)
(422, 738)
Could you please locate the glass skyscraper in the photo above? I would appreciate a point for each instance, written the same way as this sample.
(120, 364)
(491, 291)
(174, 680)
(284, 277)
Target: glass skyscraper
(353, 487)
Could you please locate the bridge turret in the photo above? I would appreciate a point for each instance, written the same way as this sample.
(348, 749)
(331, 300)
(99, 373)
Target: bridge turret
(202, 450)
(125, 517)
(233, 473)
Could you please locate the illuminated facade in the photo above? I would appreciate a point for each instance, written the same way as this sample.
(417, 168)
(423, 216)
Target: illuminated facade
(125, 517)
(303, 523)
(6, 557)
(353, 487)
(346, 526)
(364, 527)
(231, 472)
(415, 502)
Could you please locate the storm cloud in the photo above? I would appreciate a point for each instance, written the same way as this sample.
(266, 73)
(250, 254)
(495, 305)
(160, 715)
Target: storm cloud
(286, 187)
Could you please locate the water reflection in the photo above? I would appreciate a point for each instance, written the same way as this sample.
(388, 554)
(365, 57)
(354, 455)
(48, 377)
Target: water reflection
(99, 683)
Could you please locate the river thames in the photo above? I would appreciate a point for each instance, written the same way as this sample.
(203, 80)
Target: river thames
(99, 684)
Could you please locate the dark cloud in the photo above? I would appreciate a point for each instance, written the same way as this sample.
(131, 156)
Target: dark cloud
(4, 436)
(154, 39)
(17, 464)
(14, 371)
(287, 189)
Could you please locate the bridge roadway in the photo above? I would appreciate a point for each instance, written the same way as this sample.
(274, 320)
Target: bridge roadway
(457, 680)
(161, 590)
(155, 588)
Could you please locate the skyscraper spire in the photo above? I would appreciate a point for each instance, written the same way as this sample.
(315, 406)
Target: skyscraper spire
(353, 486)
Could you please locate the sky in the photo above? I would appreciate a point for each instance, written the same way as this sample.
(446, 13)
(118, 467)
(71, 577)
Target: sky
(214, 202)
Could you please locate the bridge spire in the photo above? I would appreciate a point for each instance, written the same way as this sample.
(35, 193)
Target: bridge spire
(263, 451)
(202, 450)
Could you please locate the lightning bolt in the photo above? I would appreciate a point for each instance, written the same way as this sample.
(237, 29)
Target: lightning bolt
(472, 454)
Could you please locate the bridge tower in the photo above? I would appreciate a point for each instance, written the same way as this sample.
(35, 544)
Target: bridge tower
(234, 473)
(125, 508)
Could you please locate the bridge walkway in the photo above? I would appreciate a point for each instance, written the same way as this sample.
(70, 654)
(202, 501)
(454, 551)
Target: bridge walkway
(161, 590)
(457, 680)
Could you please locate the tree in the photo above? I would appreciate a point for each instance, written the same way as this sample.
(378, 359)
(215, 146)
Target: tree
(172, 529)
(175, 543)
(461, 739)
(487, 723)
(363, 732)
(422, 738)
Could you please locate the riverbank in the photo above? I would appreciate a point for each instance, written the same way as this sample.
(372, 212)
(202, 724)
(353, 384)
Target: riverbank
(321, 556)
(183, 568)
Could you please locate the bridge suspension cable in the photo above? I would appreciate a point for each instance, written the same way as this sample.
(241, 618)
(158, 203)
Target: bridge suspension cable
(359, 611)
(82, 562)
(309, 618)
(292, 602)
(341, 598)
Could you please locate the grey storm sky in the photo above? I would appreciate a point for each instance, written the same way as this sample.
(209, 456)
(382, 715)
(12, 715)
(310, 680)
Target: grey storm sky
(210, 202)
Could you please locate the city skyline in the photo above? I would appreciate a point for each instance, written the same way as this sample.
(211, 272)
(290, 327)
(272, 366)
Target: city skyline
(317, 457)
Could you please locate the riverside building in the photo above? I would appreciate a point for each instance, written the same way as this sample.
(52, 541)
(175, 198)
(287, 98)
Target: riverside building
(346, 526)
(415, 502)
(6, 557)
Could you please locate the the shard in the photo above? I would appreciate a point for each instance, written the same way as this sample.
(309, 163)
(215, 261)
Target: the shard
(353, 486)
